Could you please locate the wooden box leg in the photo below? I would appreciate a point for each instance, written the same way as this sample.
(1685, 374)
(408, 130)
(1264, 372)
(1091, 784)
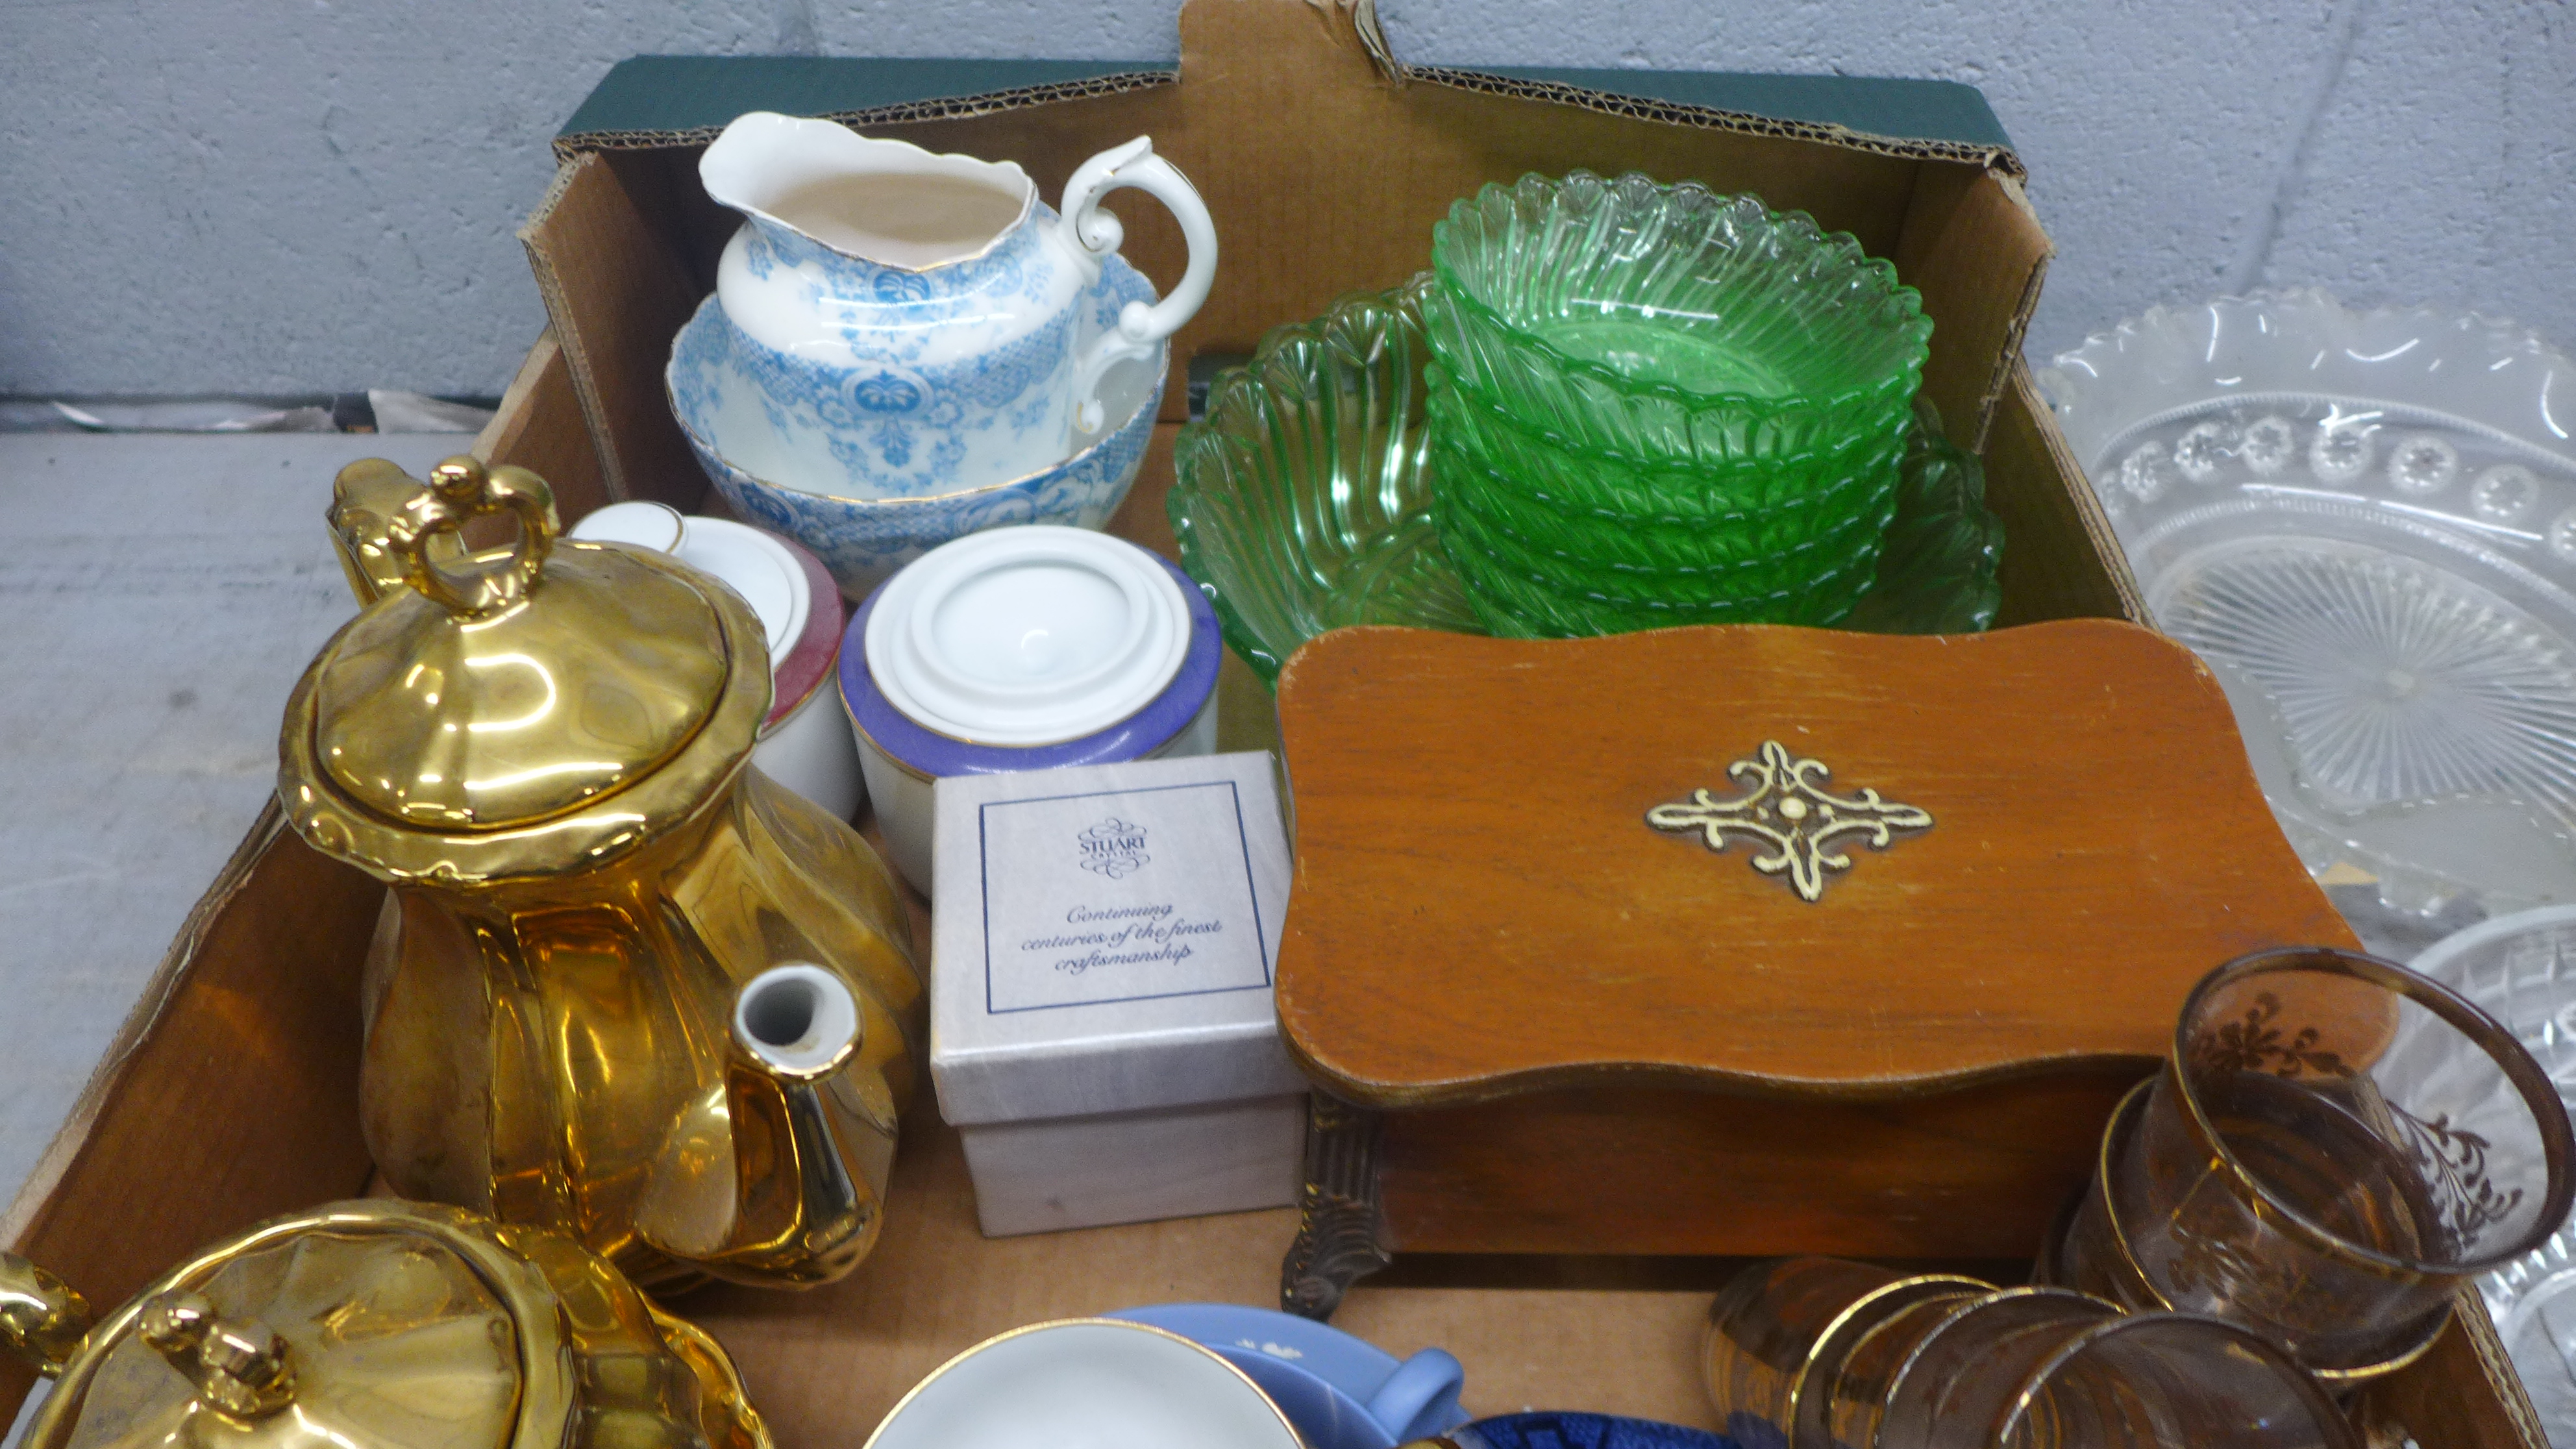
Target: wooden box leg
(1341, 1228)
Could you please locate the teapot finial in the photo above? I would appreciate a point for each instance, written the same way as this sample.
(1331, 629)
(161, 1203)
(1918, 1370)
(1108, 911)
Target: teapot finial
(242, 1370)
(40, 1316)
(461, 489)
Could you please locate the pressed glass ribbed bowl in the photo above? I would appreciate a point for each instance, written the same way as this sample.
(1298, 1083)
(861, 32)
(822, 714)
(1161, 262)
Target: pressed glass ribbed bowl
(1521, 593)
(1577, 479)
(1668, 566)
(1520, 484)
(1303, 500)
(1687, 547)
(1670, 322)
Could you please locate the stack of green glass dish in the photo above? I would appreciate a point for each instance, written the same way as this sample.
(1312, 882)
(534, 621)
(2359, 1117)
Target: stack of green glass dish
(1304, 499)
(1655, 405)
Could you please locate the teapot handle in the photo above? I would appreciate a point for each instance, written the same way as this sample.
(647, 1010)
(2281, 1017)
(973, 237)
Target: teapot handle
(41, 1319)
(1098, 233)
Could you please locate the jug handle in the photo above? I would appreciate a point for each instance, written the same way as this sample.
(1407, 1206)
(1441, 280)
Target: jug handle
(1098, 233)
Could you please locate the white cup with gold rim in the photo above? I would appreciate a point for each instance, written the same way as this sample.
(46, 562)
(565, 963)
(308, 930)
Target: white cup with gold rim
(1085, 1383)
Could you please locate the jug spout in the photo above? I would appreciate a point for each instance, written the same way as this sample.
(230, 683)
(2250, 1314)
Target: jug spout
(816, 183)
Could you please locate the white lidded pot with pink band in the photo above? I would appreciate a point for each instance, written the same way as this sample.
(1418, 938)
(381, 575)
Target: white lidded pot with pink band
(1023, 648)
(803, 744)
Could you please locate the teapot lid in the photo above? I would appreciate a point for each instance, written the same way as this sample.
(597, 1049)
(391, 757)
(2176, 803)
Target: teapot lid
(372, 1324)
(502, 694)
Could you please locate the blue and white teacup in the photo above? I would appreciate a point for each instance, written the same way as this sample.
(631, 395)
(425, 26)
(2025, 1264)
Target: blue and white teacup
(863, 538)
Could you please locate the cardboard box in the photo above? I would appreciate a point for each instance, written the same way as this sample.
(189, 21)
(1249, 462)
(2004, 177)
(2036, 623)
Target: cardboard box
(230, 1095)
(1102, 1033)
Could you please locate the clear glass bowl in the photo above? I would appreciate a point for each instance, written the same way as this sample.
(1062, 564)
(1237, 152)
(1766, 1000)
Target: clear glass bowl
(2521, 970)
(1669, 322)
(1303, 500)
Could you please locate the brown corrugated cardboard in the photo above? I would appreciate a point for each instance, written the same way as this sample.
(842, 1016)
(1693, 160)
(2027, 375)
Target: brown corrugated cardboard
(1324, 176)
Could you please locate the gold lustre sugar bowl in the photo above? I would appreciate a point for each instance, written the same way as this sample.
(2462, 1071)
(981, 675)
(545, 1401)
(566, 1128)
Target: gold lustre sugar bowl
(383, 1324)
(624, 988)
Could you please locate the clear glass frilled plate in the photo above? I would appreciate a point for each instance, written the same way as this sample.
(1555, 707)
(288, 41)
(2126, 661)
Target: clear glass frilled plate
(2365, 522)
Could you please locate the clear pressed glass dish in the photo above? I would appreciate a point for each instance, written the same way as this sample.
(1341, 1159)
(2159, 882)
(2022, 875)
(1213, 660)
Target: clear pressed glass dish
(1669, 322)
(2521, 970)
(1304, 499)
(2365, 522)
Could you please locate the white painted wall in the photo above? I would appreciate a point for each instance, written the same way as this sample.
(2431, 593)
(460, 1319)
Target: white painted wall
(320, 195)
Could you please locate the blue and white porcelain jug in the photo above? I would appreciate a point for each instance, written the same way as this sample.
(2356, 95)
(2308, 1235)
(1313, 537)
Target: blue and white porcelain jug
(920, 324)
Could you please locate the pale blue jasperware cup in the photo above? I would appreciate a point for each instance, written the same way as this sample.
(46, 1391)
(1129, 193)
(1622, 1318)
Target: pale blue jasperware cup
(1341, 1392)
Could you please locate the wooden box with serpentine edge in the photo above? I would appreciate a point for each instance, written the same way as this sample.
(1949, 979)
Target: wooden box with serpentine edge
(1748, 940)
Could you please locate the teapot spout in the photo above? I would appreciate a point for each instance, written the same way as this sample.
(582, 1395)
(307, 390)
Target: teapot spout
(365, 500)
(770, 1177)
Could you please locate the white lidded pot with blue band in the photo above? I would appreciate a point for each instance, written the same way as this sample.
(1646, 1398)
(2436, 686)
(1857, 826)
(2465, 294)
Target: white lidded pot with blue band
(1022, 648)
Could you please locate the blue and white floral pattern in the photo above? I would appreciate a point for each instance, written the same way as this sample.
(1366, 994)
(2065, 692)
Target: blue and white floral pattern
(862, 539)
(929, 388)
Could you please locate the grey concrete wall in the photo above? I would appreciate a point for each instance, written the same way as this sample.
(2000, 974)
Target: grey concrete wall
(210, 195)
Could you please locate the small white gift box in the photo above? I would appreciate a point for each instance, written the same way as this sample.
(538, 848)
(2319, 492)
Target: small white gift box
(1102, 1029)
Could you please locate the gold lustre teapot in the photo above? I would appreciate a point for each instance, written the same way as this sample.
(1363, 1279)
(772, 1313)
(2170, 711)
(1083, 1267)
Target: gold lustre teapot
(624, 988)
(385, 1325)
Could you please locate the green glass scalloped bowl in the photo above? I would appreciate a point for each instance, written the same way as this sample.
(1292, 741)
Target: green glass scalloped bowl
(1671, 322)
(1524, 593)
(1660, 492)
(1304, 500)
(1759, 557)
(1524, 490)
